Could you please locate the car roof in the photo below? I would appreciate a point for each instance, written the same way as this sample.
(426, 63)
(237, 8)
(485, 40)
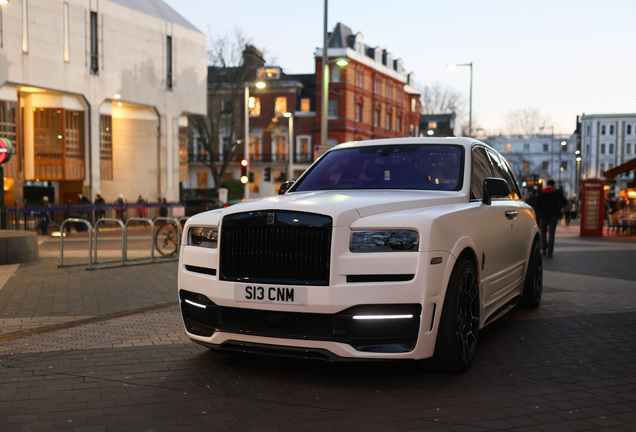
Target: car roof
(463, 141)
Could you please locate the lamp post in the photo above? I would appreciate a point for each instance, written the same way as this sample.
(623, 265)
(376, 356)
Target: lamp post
(578, 171)
(290, 169)
(561, 150)
(246, 135)
(325, 83)
(451, 67)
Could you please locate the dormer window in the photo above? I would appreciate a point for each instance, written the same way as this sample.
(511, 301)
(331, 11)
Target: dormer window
(268, 73)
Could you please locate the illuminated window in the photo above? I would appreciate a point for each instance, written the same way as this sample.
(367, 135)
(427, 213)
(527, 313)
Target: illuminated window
(432, 125)
(255, 148)
(255, 106)
(281, 105)
(269, 73)
(414, 104)
(508, 148)
(526, 165)
(280, 147)
(305, 105)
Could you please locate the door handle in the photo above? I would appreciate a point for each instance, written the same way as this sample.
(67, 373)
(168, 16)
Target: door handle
(512, 215)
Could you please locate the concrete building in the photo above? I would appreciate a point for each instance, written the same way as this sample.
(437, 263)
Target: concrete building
(539, 158)
(608, 141)
(95, 96)
(371, 97)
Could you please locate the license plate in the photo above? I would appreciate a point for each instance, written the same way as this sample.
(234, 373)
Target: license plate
(270, 294)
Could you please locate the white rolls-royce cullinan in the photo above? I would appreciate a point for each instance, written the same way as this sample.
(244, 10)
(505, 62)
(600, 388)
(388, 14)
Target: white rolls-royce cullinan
(387, 249)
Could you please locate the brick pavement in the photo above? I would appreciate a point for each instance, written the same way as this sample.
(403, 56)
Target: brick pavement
(568, 366)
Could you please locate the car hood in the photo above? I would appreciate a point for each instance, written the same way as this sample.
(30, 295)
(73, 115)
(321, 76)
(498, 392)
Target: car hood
(345, 206)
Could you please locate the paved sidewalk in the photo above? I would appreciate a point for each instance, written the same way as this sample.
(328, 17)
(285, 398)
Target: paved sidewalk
(567, 366)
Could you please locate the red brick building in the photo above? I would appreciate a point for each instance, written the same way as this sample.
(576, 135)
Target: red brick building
(369, 98)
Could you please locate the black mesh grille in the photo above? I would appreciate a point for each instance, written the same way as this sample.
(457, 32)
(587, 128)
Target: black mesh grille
(293, 249)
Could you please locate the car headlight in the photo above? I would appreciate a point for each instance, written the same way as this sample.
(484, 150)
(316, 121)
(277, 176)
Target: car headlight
(203, 236)
(384, 241)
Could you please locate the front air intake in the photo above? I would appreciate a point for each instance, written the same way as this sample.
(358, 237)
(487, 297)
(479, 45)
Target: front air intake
(275, 247)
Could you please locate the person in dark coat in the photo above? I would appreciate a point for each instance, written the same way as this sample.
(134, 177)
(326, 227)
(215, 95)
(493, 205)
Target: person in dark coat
(42, 217)
(99, 201)
(550, 205)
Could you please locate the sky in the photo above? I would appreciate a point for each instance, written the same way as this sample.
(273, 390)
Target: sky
(561, 57)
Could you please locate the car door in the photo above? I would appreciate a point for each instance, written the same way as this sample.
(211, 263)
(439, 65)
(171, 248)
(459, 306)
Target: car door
(489, 232)
(512, 227)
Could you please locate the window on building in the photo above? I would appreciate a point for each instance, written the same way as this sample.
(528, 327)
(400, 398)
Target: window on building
(629, 129)
(389, 91)
(281, 105)
(305, 105)
(411, 130)
(628, 148)
(358, 112)
(376, 118)
(359, 78)
(611, 167)
(183, 154)
(564, 165)
(399, 95)
(603, 130)
(202, 180)
(387, 121)
(545, 165)
(587, 149)
(67, 36)
(303, 151)
(508, 148)
(226, 106)
(94, 44)
(546, 147)
(25, 26)
(602, 148)
(335, 73)
(255, 148)
(169, 62)
(587, 130)
(106, 146)
(526, 148)
(255, 106)
(377, 86)
(611, 149)
(526, 165)
(280, 147)
(399, 124)
(413, 104)
(269, 73)
(611, 132)
(333, 108)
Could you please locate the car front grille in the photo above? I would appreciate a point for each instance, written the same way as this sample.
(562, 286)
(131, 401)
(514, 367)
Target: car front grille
(279, 247)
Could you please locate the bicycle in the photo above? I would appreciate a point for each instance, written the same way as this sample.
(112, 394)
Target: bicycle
(167, 238)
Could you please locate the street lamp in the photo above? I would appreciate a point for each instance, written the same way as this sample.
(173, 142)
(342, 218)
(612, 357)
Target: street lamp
(562, 149)
(578, 170)
(451, 67)
(246, 134)
(291, 146)
(325, 95)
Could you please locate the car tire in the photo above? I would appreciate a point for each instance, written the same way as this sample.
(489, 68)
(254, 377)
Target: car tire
(458, 331)
(533, 284)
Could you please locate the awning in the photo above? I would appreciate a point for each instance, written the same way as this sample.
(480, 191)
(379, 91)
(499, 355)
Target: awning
(629, 165)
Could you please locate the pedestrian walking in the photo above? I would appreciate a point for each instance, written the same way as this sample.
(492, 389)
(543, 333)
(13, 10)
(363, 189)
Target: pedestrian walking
(141, 209)
(121, 210)
(99, 201)
(42, 217)
(163, 211)
(574, 210)
(550, 204)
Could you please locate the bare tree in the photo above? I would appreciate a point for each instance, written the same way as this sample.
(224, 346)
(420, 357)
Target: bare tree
(525, 121)
(226, 85)
(437, 99)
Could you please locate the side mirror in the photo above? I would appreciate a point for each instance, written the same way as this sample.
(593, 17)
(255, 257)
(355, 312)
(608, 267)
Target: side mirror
(494, 187)
(285, 187)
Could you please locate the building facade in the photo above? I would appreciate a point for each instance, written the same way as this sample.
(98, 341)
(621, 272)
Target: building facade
(95, 97)
(371, 97)
(608, 141)
(281, 113)
(539, 158)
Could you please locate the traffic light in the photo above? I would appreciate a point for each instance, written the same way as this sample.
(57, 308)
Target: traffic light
(524, 183)
(268, 174)
(244, 178)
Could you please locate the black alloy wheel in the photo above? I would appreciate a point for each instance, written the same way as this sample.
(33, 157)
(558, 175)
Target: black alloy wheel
(458, 332)
(533, 284)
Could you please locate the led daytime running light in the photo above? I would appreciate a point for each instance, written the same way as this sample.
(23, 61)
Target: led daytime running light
(380, 317)
(195, 304)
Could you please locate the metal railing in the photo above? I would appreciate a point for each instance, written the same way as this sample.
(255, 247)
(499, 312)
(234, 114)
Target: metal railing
(123, 240)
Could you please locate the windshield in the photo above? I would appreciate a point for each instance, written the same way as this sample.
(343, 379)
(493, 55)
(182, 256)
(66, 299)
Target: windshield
(408, 166)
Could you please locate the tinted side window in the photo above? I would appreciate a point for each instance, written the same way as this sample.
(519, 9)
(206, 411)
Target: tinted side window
(500, 168)
(481, 170)
(512, 182)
